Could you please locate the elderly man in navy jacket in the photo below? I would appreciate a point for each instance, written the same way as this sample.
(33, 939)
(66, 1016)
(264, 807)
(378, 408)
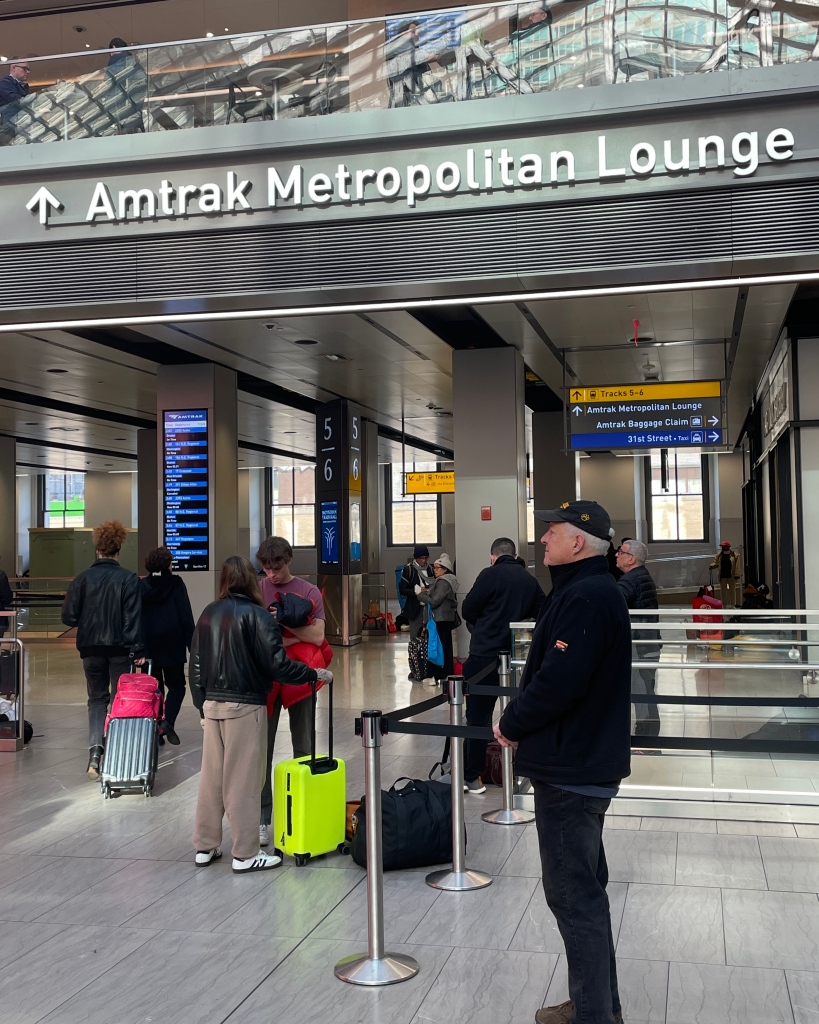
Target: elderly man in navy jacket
(570, 724)
(14, 86)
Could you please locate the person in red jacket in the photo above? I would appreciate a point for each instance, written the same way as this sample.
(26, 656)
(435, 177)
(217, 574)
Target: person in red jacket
(302, 643)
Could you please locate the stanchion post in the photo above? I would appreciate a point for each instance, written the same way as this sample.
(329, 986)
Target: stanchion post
(375, 967)
(459, 878)
(508, 814)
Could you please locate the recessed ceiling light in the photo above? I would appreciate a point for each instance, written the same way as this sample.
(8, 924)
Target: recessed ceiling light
(56, 369)
(209, 35)
(31, 423)
(335, 357)
(120, 438)
(274, 327)
(305, 341)
(3, 60)
(288, 431)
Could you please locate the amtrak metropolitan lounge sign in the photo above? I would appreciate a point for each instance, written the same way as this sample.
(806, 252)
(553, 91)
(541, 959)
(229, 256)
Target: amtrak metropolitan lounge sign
(485, 171)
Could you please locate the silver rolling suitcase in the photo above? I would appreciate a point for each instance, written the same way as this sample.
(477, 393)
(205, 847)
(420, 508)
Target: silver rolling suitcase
(130, 759)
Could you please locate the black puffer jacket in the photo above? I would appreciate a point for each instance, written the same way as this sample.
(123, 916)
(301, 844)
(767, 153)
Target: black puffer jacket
(502, 593)
(237, 652)
(105, 604)
(572, 716)
(640, 592)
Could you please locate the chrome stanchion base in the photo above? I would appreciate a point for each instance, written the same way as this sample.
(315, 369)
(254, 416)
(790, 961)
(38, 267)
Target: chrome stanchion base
(360, 970)
(513, 816)
(458, 881)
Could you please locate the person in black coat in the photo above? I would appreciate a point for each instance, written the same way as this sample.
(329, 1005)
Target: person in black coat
(570, 724)
(104, 605)
(167, 628)
(640, 592)
(503, 593)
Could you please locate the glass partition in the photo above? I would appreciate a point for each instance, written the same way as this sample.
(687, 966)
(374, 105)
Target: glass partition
(470, 53)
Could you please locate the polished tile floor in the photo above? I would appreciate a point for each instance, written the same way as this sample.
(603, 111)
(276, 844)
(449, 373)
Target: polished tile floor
(103, 915)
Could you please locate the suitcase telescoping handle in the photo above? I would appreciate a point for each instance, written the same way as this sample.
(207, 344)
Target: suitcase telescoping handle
(147, 668)
(313, 727)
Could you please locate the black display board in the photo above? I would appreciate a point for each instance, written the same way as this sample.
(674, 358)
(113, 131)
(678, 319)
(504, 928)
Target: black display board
(186, 508)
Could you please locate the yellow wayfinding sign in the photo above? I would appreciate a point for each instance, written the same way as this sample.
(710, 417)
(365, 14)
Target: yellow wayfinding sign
(430, 483)
(646, 392)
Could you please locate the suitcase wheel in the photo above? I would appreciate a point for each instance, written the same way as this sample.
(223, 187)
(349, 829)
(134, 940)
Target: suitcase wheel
(146, 789)
(301, 859)
(343, 847)
(106, 791)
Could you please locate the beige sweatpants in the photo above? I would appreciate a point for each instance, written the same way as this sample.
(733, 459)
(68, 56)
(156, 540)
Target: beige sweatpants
(233, 767)
(727, 592)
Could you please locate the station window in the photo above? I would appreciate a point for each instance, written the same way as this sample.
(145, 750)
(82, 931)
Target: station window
(64, 500)
(677, 506)
(413, 518)
(294, 505)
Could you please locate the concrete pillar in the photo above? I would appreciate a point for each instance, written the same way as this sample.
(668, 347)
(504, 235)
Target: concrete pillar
(149, 493)
(490, 457)
(212, 390)
(340, 490)
(553, 474)
(8, 502)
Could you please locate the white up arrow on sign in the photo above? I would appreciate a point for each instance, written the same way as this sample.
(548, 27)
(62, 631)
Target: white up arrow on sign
(43, 199)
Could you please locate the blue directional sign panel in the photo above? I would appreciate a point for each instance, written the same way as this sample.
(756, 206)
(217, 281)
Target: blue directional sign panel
(649, 439)
(186, 508)
(674, 415)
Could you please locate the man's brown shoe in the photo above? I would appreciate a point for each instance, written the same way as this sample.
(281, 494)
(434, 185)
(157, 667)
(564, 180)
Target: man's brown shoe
(563, 1014)
(556, 1014)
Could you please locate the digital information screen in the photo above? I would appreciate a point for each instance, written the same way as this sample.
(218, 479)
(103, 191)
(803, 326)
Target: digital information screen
(329, 533)
(186, 511)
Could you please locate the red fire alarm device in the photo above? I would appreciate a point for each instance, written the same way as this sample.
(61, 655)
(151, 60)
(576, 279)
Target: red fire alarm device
(486, 512)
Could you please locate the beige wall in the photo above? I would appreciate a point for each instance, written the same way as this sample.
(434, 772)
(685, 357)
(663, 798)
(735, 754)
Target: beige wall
(610, 481)
(109, 496)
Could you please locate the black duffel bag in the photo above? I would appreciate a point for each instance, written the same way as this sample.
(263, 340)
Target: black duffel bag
(416, 829)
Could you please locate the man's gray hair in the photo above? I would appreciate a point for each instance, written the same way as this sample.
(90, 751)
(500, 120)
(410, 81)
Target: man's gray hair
(638, 549)
(595, 545)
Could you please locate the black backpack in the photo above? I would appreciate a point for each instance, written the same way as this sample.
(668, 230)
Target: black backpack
(417, 826)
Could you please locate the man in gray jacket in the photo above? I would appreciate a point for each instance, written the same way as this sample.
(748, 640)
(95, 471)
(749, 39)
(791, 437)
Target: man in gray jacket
(640, 592)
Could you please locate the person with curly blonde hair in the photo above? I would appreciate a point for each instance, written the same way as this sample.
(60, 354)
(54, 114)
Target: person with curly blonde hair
(104, 603)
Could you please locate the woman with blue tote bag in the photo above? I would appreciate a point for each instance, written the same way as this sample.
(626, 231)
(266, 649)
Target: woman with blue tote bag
(442, 602)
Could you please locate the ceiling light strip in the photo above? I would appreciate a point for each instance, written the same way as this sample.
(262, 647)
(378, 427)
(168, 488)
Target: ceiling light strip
(405, 304)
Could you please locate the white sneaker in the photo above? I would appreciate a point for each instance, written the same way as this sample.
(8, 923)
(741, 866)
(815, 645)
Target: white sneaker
(264, 835)
(204, 857)
(430, 681)
(261, 862)
(475, 787)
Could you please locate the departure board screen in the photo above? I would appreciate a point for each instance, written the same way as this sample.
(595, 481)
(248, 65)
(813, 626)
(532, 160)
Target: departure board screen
(186, 509)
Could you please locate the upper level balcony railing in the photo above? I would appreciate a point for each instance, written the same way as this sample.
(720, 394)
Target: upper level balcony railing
(447, 57)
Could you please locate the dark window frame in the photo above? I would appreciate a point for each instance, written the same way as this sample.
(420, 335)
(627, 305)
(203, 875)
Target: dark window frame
(409, 498)
(271, 506)
(706, 504)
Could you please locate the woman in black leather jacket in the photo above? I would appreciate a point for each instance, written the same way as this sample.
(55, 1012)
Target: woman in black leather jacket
(236, 653)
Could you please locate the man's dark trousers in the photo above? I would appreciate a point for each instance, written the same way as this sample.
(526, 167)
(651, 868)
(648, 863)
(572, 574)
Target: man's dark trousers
(575, 875)
(101, 676)
(479, 710)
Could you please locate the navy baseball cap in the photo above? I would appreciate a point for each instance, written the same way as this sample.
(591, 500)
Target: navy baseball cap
(588, 515)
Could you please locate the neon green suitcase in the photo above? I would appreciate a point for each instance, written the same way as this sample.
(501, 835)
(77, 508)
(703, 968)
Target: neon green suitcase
(309, 800)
